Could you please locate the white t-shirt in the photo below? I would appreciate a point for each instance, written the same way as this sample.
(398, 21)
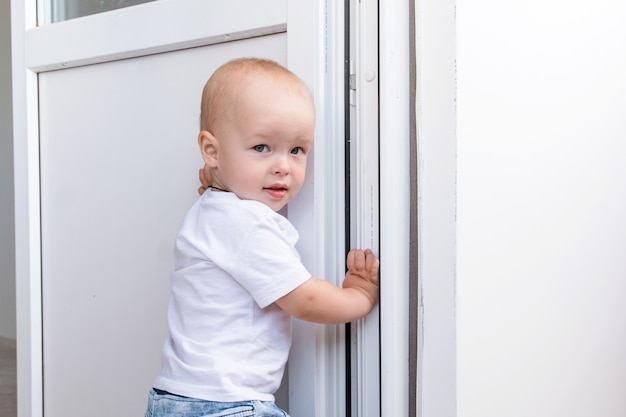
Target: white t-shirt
(228, 341)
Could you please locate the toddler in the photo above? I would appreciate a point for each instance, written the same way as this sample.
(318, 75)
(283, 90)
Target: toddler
(238, 278)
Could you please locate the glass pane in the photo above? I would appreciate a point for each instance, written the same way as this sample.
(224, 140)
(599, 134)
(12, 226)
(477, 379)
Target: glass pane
(69, 9)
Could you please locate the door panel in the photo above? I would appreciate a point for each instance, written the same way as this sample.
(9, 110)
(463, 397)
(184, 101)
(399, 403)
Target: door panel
(120, 135)
(155, 27)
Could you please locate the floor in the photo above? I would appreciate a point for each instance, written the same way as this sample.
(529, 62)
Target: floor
(8, 391)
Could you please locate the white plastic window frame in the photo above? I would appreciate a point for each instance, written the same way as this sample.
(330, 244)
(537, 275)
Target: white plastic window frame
(364, 196)
(381, 56)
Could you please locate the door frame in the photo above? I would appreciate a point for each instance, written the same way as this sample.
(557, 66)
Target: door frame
(396, 201)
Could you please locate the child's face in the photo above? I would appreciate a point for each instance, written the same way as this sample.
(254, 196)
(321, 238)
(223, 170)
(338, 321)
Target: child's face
(262, 155)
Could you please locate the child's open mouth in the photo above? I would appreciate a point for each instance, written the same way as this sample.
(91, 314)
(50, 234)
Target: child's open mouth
(277, 191)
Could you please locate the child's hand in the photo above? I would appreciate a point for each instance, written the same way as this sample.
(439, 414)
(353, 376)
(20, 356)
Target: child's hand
(363, 273)
(206, 179)
(319, 301)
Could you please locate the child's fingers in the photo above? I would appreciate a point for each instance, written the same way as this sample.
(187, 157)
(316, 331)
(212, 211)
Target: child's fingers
(356, 260)
(362, 260)
(205, 177)
(371, 262)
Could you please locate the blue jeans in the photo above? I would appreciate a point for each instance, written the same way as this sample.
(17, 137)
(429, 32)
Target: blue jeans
(164, 404)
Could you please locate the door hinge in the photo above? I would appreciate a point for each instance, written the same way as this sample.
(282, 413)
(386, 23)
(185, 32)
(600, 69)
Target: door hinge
(352, 83)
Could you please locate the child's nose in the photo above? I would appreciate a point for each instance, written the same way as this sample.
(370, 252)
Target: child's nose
(281, 165)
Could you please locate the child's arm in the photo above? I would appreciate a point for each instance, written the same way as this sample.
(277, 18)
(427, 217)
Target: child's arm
(320, 301)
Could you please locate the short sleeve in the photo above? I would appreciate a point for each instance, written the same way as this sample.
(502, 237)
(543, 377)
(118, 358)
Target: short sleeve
(267, 263)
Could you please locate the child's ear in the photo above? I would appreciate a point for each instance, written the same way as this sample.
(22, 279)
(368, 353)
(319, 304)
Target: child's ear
(208, 147)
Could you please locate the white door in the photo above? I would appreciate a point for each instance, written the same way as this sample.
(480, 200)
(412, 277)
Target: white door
(106, 166)
(109, 163)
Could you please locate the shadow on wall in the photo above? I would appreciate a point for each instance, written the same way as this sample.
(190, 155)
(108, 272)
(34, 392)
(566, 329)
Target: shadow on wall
(7, 228)
(8, 387)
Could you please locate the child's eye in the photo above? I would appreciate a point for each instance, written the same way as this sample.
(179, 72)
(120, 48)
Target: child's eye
(297, 151)
(261, 148)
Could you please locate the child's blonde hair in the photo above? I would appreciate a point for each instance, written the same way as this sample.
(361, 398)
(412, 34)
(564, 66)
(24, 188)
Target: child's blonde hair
(221, 88)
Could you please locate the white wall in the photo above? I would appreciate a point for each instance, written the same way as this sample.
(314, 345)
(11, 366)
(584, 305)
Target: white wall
(541, 205)
(7, 244)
